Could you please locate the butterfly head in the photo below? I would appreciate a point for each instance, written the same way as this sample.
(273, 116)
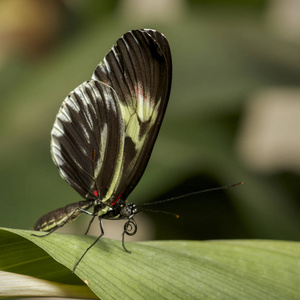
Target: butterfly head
(117, 210)
(128, 210)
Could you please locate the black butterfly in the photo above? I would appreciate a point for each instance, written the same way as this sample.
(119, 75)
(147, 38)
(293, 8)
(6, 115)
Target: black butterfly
(106, 128)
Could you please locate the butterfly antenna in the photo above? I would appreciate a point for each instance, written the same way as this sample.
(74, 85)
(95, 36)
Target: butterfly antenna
(196, 193)
(159, 211)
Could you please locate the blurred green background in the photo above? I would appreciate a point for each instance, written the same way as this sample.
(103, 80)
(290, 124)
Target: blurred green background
(233, 113)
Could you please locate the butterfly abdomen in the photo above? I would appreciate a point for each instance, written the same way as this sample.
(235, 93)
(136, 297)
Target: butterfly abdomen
(61, 216)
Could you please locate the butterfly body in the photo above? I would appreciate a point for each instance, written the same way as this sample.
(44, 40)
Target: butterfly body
(106, 128)
(59, 217)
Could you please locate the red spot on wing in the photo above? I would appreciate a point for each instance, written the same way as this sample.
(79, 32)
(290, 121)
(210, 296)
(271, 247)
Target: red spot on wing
(118, 198)
(96, 193)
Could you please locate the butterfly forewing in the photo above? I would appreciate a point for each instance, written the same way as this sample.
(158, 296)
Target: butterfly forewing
(139, 69)
(106, 128)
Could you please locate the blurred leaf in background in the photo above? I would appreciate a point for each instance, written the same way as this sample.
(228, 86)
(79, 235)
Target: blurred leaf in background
(224, 55)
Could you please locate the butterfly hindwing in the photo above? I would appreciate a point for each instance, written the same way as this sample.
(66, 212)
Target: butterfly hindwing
(88, 137)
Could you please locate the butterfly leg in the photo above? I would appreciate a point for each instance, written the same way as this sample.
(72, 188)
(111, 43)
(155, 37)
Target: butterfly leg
(89, 225)
(98, 238)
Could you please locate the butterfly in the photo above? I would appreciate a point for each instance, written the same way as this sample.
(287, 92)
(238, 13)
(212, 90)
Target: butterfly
(105, 130)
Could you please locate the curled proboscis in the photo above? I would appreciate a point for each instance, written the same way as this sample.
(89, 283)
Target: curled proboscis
(130, 227)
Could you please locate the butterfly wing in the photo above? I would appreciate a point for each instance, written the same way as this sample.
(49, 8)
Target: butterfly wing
(139, 69)
(87, 138)
(106, 128)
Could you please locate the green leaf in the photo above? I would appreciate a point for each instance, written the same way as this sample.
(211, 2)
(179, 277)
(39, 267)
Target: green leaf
(154, 270)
